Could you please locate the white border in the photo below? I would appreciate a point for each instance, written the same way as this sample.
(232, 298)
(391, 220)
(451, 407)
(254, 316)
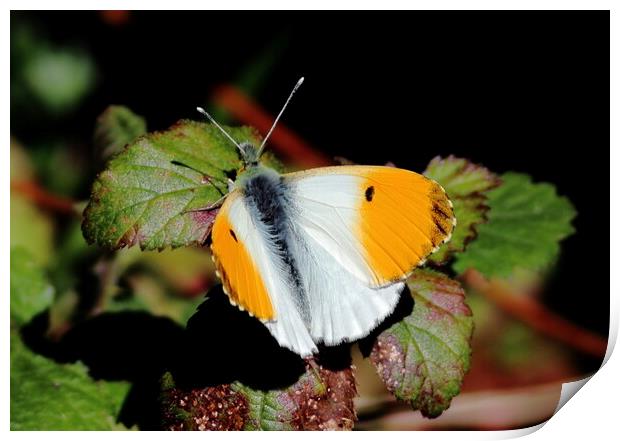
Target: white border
(591, 415)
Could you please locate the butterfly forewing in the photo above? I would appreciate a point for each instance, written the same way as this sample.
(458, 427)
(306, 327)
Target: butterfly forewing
(378, 222)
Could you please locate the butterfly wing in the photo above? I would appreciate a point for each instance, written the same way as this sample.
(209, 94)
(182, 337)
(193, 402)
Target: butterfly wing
(252, 275)
(236, 266)
(379, 223)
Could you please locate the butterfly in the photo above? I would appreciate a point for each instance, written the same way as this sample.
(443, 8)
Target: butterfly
(321, 256)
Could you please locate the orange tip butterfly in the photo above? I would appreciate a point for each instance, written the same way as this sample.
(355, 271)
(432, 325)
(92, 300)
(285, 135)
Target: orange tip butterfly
(321, 256)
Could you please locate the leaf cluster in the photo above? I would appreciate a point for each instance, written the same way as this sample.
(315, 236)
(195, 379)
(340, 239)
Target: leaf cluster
(208, 377)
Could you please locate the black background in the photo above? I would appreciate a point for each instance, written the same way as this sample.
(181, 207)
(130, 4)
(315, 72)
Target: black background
(522, 91)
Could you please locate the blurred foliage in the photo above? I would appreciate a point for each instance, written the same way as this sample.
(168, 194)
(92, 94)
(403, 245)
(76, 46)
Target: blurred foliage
(52, 155)
(31, 293)
(116, 127)
(31, 228)
(56, 78)
(59, 78)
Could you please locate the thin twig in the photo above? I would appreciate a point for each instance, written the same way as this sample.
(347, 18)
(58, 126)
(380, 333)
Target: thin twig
(44, 199)
(482, 410)
(534, 314)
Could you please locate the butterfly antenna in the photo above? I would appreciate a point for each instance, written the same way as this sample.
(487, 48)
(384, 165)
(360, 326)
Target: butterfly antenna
(262, 146)
(204, 112)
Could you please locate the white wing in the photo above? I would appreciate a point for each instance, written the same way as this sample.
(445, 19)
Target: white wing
(342, 308)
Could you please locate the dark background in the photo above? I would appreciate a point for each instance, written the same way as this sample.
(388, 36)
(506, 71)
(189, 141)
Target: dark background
(518, 91)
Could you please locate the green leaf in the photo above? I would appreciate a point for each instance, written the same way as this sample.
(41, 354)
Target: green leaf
(321, 399)
(147, 193)
(49, 396)
(526, 223)
(31, 228)
(116, 127)
(60, 77)
(21, 165)
(30, 291)
(466, 184)
(423, 358)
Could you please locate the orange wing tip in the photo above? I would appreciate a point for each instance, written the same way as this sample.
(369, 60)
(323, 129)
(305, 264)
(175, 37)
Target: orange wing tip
(451, 205)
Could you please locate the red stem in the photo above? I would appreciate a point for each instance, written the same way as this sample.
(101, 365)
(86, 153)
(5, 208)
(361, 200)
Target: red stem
(529, 311)
(31, 190)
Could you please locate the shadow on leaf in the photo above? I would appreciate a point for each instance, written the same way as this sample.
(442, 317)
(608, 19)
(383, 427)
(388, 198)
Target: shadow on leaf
(220, 345)
(223, 344)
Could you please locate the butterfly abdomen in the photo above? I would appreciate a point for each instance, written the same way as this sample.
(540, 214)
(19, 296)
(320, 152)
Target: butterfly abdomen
(266, 195)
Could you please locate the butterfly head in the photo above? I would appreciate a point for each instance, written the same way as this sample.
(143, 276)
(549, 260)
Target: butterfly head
(250, 154)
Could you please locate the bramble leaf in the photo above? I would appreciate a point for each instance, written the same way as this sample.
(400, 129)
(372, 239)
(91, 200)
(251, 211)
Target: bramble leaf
(149, 193)
(423, 358)
(526, 223)
(466, 184)
(116, 127)
(31, 293)
(321, 399)
(50, 396)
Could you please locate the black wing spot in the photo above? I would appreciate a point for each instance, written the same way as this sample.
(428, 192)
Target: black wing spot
(234, 236)
(370, 193)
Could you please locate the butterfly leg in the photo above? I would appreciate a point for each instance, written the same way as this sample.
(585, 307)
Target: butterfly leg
(213, 206)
